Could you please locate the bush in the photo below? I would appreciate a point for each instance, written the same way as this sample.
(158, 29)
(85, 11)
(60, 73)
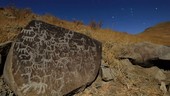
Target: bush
(95, 25)
(77, 22)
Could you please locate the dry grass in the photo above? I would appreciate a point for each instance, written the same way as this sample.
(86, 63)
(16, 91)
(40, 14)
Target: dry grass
(125, 84)
(160, 34)
(12, 19)
(10, 27)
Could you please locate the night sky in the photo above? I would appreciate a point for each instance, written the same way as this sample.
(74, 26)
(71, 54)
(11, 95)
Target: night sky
(132, 16)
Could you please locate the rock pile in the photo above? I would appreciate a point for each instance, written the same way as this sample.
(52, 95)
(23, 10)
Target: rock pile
(150, 55)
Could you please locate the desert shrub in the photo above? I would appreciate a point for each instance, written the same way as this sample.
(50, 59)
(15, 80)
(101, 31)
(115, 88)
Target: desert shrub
(51, 18)
(148, 28)
(95, 25)
(77, 22)
(25, 12)
(18, 13)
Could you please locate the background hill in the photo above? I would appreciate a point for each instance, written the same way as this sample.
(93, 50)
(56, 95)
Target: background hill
(159, 33)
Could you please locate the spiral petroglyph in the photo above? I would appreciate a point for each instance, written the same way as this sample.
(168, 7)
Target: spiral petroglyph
(46, 60)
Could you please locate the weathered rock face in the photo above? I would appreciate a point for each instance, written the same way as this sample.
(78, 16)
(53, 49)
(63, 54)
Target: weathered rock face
(145, 54)
(47, 60)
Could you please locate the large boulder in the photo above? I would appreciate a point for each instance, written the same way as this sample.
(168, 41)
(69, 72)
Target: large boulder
(46, 60)
(145, 54)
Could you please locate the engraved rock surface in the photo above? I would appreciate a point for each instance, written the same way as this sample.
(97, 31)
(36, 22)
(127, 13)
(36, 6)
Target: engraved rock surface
(46, 60)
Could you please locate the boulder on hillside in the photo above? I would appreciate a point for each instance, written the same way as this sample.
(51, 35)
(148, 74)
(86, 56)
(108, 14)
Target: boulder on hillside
(146, 54)
(46, 60)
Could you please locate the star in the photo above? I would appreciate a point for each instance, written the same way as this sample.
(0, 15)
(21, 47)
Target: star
(156, 10)
(131, 11)
(113, 17)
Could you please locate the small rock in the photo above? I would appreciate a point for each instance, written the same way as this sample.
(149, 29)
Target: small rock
(106, 73)
(160, 75)
(163, 87)
(127, 63)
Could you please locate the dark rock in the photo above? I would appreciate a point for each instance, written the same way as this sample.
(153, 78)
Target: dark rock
(145, 54)
(1, 8)
(46, 60)
(4, 49)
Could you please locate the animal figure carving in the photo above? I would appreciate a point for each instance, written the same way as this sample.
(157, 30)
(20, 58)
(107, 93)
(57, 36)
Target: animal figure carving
(46, 60)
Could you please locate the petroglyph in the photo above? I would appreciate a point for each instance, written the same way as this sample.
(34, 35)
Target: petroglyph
(50, 60)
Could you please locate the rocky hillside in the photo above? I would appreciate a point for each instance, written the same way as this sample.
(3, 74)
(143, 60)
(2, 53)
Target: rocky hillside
(12, 20)
(126, 79)
(159, 33)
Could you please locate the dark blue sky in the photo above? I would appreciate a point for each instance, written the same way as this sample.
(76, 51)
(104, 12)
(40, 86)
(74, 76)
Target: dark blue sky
(132, 16)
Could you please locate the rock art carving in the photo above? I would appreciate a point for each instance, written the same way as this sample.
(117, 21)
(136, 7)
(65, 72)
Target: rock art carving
(46, 60)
